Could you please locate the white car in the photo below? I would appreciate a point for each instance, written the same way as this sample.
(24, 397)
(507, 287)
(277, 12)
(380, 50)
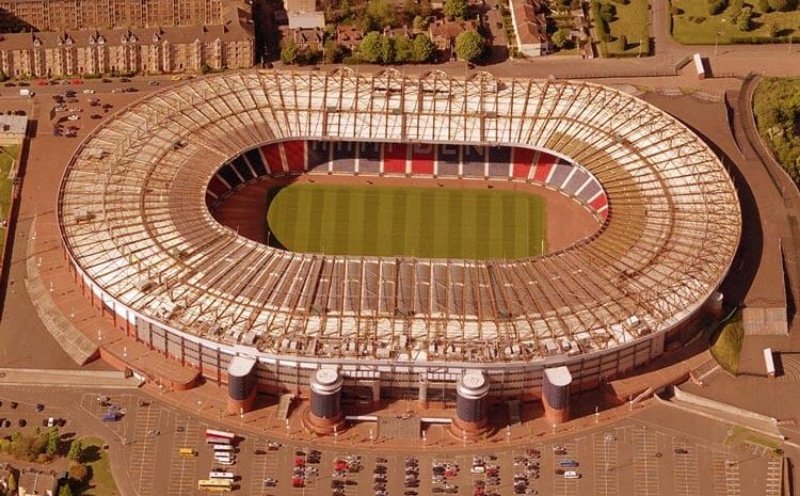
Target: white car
(73, 117)
(88, 91)
(571, 474)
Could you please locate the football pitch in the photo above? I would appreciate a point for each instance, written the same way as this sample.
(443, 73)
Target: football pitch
(407, 221)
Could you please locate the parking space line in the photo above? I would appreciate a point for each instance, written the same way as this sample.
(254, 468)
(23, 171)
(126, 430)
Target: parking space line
(726, 475)
(685, 463)
(774, 476)
(606, 460)
(182, 468)
(645, 463)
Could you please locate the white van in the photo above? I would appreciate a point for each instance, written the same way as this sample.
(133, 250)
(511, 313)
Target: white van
(571, 474)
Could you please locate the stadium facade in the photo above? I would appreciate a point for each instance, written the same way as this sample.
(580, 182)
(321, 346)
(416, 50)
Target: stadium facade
(143, 244)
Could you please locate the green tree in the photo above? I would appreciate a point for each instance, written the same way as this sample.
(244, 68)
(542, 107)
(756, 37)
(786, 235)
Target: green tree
(772, 30)
(745, 20)
(763, 6)
(469, 46)
(65, 490)
(607, 12)
(403, 50)
(422, 48)
(455, 8)
(75, 452)
(289, 52)
(561, 38)
(369, 50)
(52, 441)
(380, 13)
(333, 52)
(387, 49)
(735, 9)
(410, 11)
(11, 482)
(345, 11)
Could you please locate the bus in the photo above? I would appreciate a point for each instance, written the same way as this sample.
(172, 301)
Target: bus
(187, 452)
(223, 448)
(215, 433)
(221, 475)
(215, 485)
(218, 440)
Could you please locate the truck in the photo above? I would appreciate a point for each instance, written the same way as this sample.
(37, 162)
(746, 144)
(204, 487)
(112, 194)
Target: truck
(26, 92)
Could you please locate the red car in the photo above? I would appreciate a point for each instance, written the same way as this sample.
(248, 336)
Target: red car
(298, 482)
(299, 461)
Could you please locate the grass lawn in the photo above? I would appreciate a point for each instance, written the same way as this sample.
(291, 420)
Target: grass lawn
(633, 21)
(7, 156)
(399, 221)
(687, 28)
(777, 109)
(727, 345)
(102, 482)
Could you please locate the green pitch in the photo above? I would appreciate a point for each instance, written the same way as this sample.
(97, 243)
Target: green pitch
(398, 221)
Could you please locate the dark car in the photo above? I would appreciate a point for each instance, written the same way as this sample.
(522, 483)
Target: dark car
(22, 422)
(13, 405)
(106, 80)
(39, 407)
(10, 85)
(124, 80)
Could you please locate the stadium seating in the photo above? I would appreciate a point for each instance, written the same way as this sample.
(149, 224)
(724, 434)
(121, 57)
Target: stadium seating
(422, 159)
(395, 156)
(295, 153)
(445, 160)
(272, 155)
(369, 158)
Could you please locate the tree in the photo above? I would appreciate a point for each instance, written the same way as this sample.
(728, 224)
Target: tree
(561, 38)
(469, 46)
(735, 9)
(289, 52)
(455, 8)
(403, 50)
(75, 451)
(65, 490)
(380, 13)
(410, 11)
(370, 47)
(52, 441)
(333, 52)
(607, 12)
(79, 472)
(422, 48)
(387, 49)
(763, 6)
(745, 20)
(772, 30)
(11, 482)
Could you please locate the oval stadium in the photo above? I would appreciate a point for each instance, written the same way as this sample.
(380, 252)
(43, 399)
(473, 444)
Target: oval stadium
(142, 216)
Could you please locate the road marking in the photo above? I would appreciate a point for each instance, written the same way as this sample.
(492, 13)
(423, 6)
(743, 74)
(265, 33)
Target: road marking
(182, 468)
(606, 461)
(645, 463)
(685, 469)
(774, 476)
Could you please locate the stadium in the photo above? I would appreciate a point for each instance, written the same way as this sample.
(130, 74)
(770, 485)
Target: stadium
(139, 204)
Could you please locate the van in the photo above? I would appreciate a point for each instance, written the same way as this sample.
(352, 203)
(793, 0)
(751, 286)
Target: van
(568, 463)
(571, 474)
(187, 452)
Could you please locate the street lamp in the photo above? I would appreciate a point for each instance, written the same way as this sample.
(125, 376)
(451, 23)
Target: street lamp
(607, 438)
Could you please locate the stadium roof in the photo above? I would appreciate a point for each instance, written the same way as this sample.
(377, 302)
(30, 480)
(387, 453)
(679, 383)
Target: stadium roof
(133, 219)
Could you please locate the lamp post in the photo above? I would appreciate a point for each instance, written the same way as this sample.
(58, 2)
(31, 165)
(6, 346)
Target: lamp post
(607, 438)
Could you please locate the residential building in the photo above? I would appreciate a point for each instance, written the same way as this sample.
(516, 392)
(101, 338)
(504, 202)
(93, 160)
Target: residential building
(443, 33)
(349, 36)
(304, 39)
(135, 50)
(303, 14)
(58, 15)
(530, 27)
(36, 483)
